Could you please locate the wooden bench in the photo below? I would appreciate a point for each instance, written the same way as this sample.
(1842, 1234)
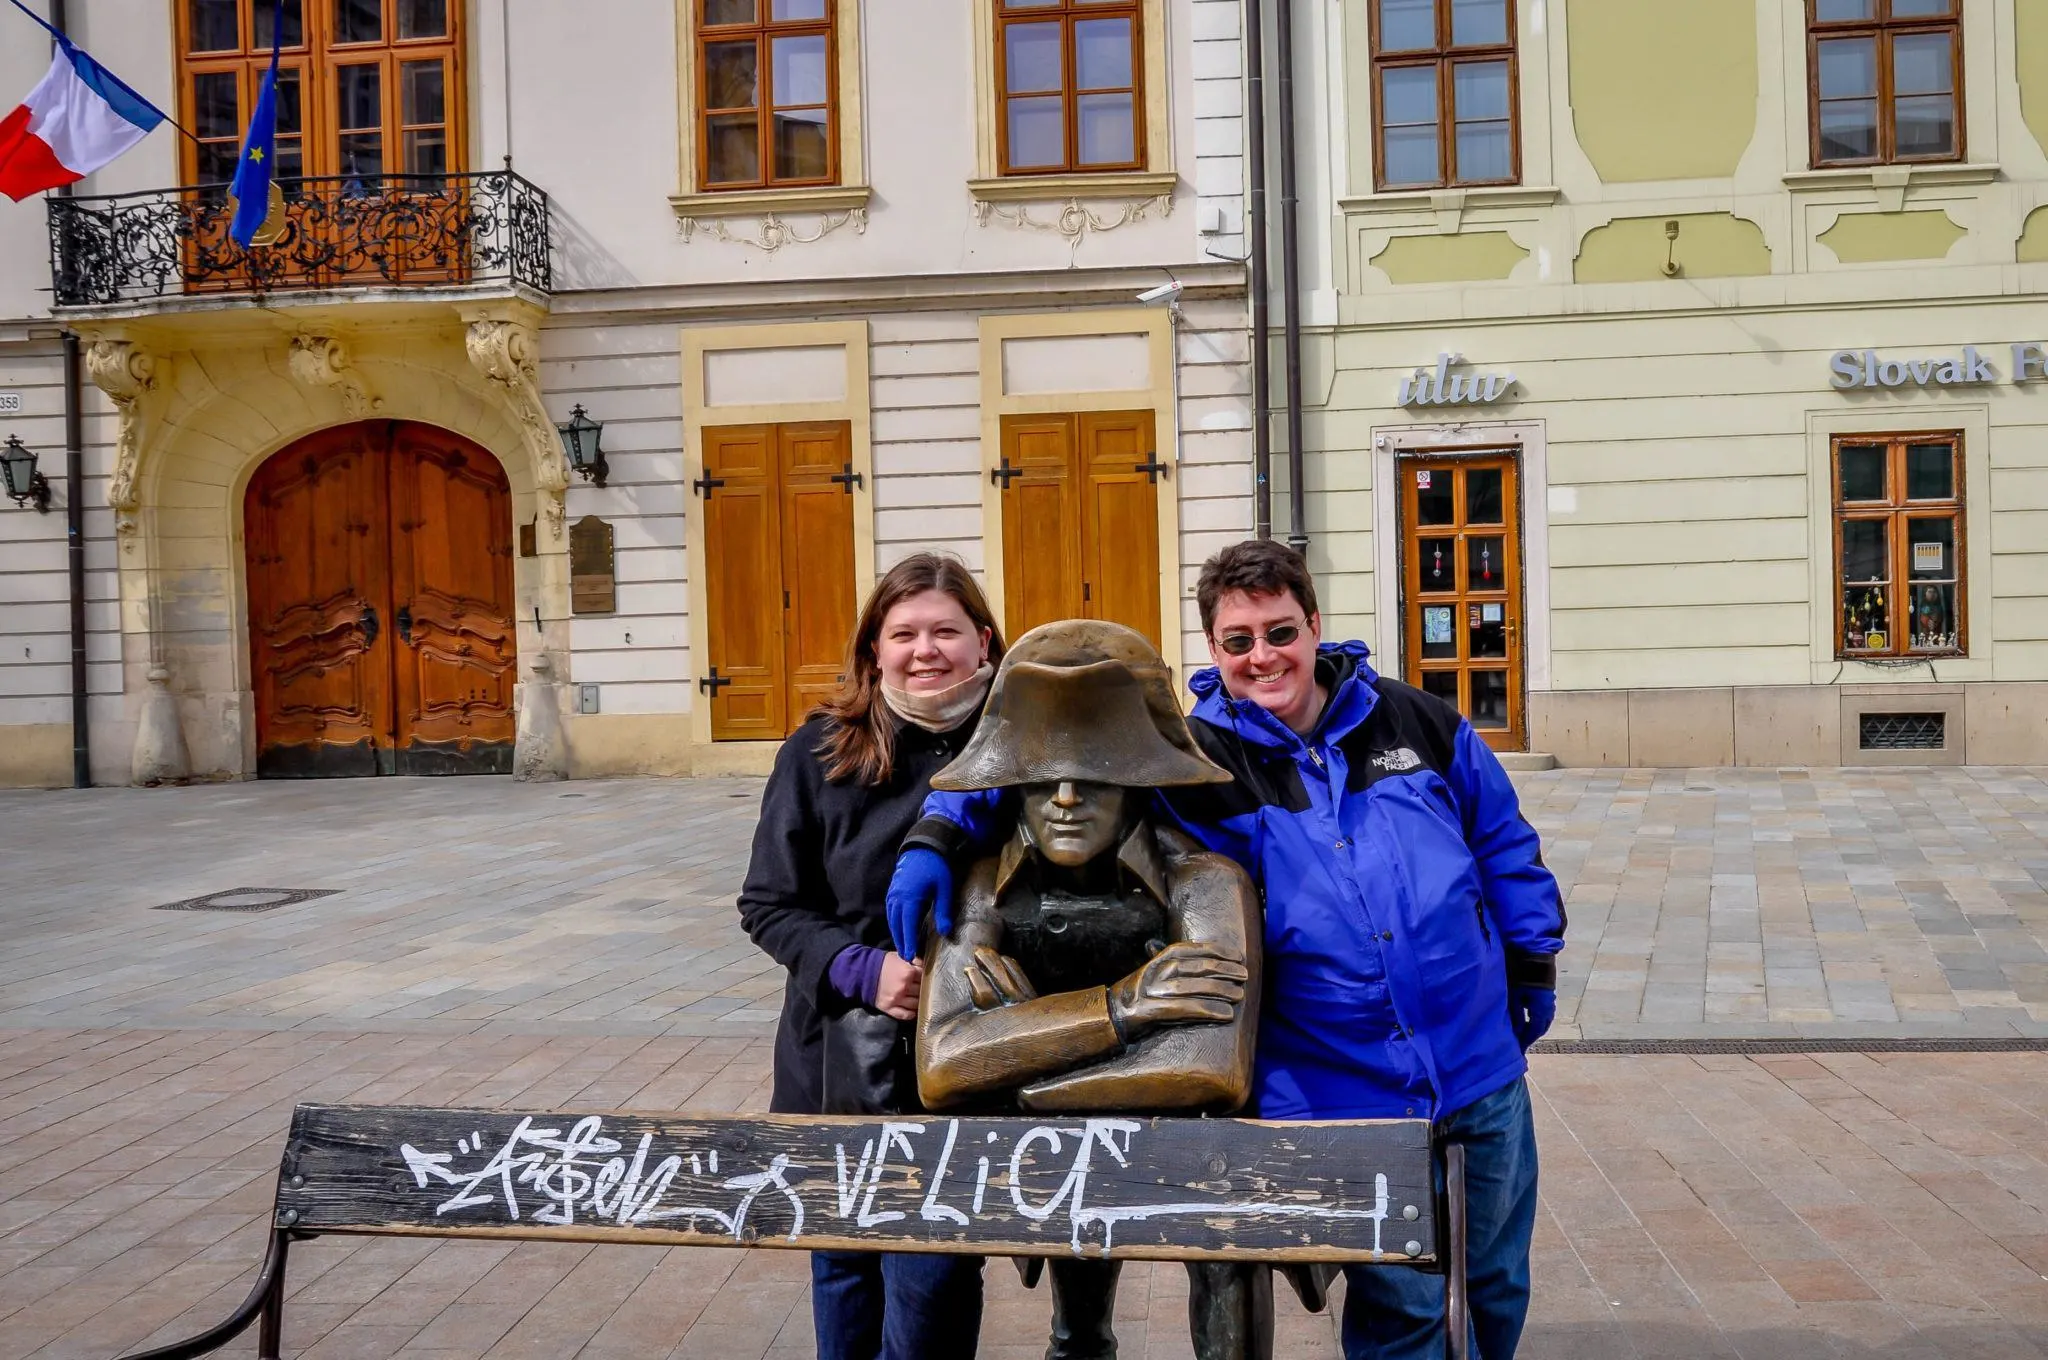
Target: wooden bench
(1134, 1189)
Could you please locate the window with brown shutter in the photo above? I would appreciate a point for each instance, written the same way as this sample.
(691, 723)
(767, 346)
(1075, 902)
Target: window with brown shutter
(1885, 81)
(1069, 86)
(1444, 93)
(1899, 575)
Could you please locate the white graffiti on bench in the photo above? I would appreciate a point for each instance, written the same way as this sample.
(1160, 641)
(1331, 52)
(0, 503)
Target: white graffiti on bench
(585, 1174)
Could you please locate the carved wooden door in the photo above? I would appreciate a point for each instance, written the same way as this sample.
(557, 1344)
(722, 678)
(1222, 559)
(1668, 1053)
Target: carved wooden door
(380, 605)
(319, 563)
(1081, 520)
(452, 615)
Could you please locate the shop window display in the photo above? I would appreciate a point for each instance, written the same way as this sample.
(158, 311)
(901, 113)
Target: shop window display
(1899, 545)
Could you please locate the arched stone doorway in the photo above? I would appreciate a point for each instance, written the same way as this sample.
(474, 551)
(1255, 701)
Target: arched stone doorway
(382, 635)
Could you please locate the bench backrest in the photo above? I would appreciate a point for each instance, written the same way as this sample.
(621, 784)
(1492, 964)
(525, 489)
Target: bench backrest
(1357, 1190)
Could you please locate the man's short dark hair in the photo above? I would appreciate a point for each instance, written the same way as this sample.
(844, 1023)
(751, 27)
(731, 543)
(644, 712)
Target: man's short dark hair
(1257, 566)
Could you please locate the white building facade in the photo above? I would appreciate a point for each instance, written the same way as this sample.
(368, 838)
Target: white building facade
(839, 281)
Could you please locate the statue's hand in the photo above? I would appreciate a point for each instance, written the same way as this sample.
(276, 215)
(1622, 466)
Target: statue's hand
(997, 980)
(1183, 984)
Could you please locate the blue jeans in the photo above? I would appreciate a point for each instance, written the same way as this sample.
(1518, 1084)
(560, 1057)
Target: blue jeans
(1392, 1313)
(896, 1305)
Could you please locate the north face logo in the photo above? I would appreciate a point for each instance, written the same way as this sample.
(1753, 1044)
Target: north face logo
(1396, 762)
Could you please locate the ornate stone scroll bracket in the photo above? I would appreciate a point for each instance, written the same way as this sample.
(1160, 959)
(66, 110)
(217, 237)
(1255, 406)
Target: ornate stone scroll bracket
(773, 233)
(505, 351)
(321, 361)
(1075, 221)
(125, 372)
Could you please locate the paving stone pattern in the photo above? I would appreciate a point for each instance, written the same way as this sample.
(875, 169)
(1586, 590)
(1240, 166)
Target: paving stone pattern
(1708, 902)
(539, 947)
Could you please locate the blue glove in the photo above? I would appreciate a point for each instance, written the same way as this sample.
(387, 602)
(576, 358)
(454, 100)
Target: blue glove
(1530, 1011)
(923, 882)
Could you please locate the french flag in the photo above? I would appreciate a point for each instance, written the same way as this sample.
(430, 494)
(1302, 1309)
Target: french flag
(77, 119)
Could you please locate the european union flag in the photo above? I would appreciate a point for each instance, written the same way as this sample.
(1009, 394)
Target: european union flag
(252, 185)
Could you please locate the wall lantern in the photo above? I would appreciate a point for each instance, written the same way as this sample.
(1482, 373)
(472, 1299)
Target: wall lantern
(24, 483)
(580, 436)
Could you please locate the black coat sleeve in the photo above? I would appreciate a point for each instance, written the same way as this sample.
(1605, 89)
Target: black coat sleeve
(785, 907)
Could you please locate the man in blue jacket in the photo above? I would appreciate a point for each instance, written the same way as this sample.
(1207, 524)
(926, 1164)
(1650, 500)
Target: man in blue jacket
(1411, 929)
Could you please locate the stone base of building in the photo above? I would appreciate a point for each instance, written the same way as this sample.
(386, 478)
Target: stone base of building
(1902, 724)
(36, 756)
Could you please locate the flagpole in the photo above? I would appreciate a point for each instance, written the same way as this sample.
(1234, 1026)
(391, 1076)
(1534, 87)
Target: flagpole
(65, 42)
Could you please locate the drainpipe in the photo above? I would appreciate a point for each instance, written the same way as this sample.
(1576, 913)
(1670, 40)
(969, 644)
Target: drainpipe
(1290, 275)
(1255, 248)
(74, 523)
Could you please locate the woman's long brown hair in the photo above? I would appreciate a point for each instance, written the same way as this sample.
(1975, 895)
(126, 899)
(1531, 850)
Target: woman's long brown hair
(860, 740)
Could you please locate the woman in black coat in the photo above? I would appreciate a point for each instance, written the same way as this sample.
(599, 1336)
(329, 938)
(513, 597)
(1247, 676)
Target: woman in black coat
(846, 788)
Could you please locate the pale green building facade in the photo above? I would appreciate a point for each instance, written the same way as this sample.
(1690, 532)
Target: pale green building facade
(1668, 383)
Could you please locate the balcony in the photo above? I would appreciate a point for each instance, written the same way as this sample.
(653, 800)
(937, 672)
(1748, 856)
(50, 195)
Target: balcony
(342, 232)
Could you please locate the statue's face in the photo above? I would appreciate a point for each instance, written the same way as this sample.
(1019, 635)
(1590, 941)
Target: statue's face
(1072, 822)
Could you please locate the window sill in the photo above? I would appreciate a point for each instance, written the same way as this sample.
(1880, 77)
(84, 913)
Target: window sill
(761, 202)
(1454, 199)
(1891, 176)
(1054, 188)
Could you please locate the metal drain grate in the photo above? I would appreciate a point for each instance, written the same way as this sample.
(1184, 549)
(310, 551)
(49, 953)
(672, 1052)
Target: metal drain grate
(248, 899)
(1901, 731)
(1959, 1044)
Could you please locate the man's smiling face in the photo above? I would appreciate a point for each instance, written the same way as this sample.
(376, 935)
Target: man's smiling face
(1278, 677)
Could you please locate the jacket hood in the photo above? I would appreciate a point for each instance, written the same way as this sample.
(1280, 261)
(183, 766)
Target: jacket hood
(1337, 665)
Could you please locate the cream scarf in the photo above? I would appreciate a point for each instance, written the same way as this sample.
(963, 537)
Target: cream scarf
(942, 710)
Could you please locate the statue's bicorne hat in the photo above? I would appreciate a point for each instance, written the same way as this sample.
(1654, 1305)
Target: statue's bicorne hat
(1085, 700)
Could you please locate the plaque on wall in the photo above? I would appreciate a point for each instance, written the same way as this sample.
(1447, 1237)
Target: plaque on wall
(529, 542)
(593, 579)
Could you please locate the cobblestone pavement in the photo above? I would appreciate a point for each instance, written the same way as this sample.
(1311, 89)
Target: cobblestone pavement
(1723, 902)
(519, 946)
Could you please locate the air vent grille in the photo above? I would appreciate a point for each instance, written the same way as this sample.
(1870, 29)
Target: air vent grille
(1901, 731)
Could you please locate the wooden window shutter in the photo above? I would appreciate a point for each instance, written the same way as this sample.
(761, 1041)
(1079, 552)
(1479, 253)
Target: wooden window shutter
(745, 676)
(817, 563)
(1120, 520)
(1042, 578)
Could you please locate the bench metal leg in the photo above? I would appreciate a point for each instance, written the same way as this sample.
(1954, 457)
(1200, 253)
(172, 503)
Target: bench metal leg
(265, 1300)
(1457, 1305)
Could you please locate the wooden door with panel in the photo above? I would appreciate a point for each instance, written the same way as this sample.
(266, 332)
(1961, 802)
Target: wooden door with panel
(316, 520)
(819, 607)
(1462, 579)
(1041, 498)
(1120, 519)
(454, 618)
(746, 667)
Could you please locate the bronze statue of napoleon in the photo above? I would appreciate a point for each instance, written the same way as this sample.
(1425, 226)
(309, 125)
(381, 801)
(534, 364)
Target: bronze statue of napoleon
(1099, 961)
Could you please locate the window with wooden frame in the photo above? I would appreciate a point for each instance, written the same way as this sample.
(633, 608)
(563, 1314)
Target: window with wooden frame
(1069, 86)
(1885, 81)
(1899, 577)
(366, 88)
(1444, 93)
(768, 112)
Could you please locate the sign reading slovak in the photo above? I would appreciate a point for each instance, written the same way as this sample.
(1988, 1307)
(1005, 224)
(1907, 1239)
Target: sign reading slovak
(79, 117)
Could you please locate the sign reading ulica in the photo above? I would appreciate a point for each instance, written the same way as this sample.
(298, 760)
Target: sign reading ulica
(1441, 387)
(1864, 368)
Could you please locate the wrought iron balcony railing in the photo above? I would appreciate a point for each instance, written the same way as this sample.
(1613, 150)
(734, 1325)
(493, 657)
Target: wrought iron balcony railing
(339, 232)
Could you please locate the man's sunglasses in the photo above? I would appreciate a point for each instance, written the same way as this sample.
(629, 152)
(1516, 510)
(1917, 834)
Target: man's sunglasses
(1238, 644)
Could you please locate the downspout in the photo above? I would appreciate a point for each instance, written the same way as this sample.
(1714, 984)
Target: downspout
(74, 522)
(1290, 276)
(1255, 249)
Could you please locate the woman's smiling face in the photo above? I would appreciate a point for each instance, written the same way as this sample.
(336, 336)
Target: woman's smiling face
(928, 644)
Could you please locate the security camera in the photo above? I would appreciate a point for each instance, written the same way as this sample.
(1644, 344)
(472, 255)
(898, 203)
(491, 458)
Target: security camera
(1162, 293)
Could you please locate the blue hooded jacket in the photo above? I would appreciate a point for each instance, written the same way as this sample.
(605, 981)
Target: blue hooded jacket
(1404, 891)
